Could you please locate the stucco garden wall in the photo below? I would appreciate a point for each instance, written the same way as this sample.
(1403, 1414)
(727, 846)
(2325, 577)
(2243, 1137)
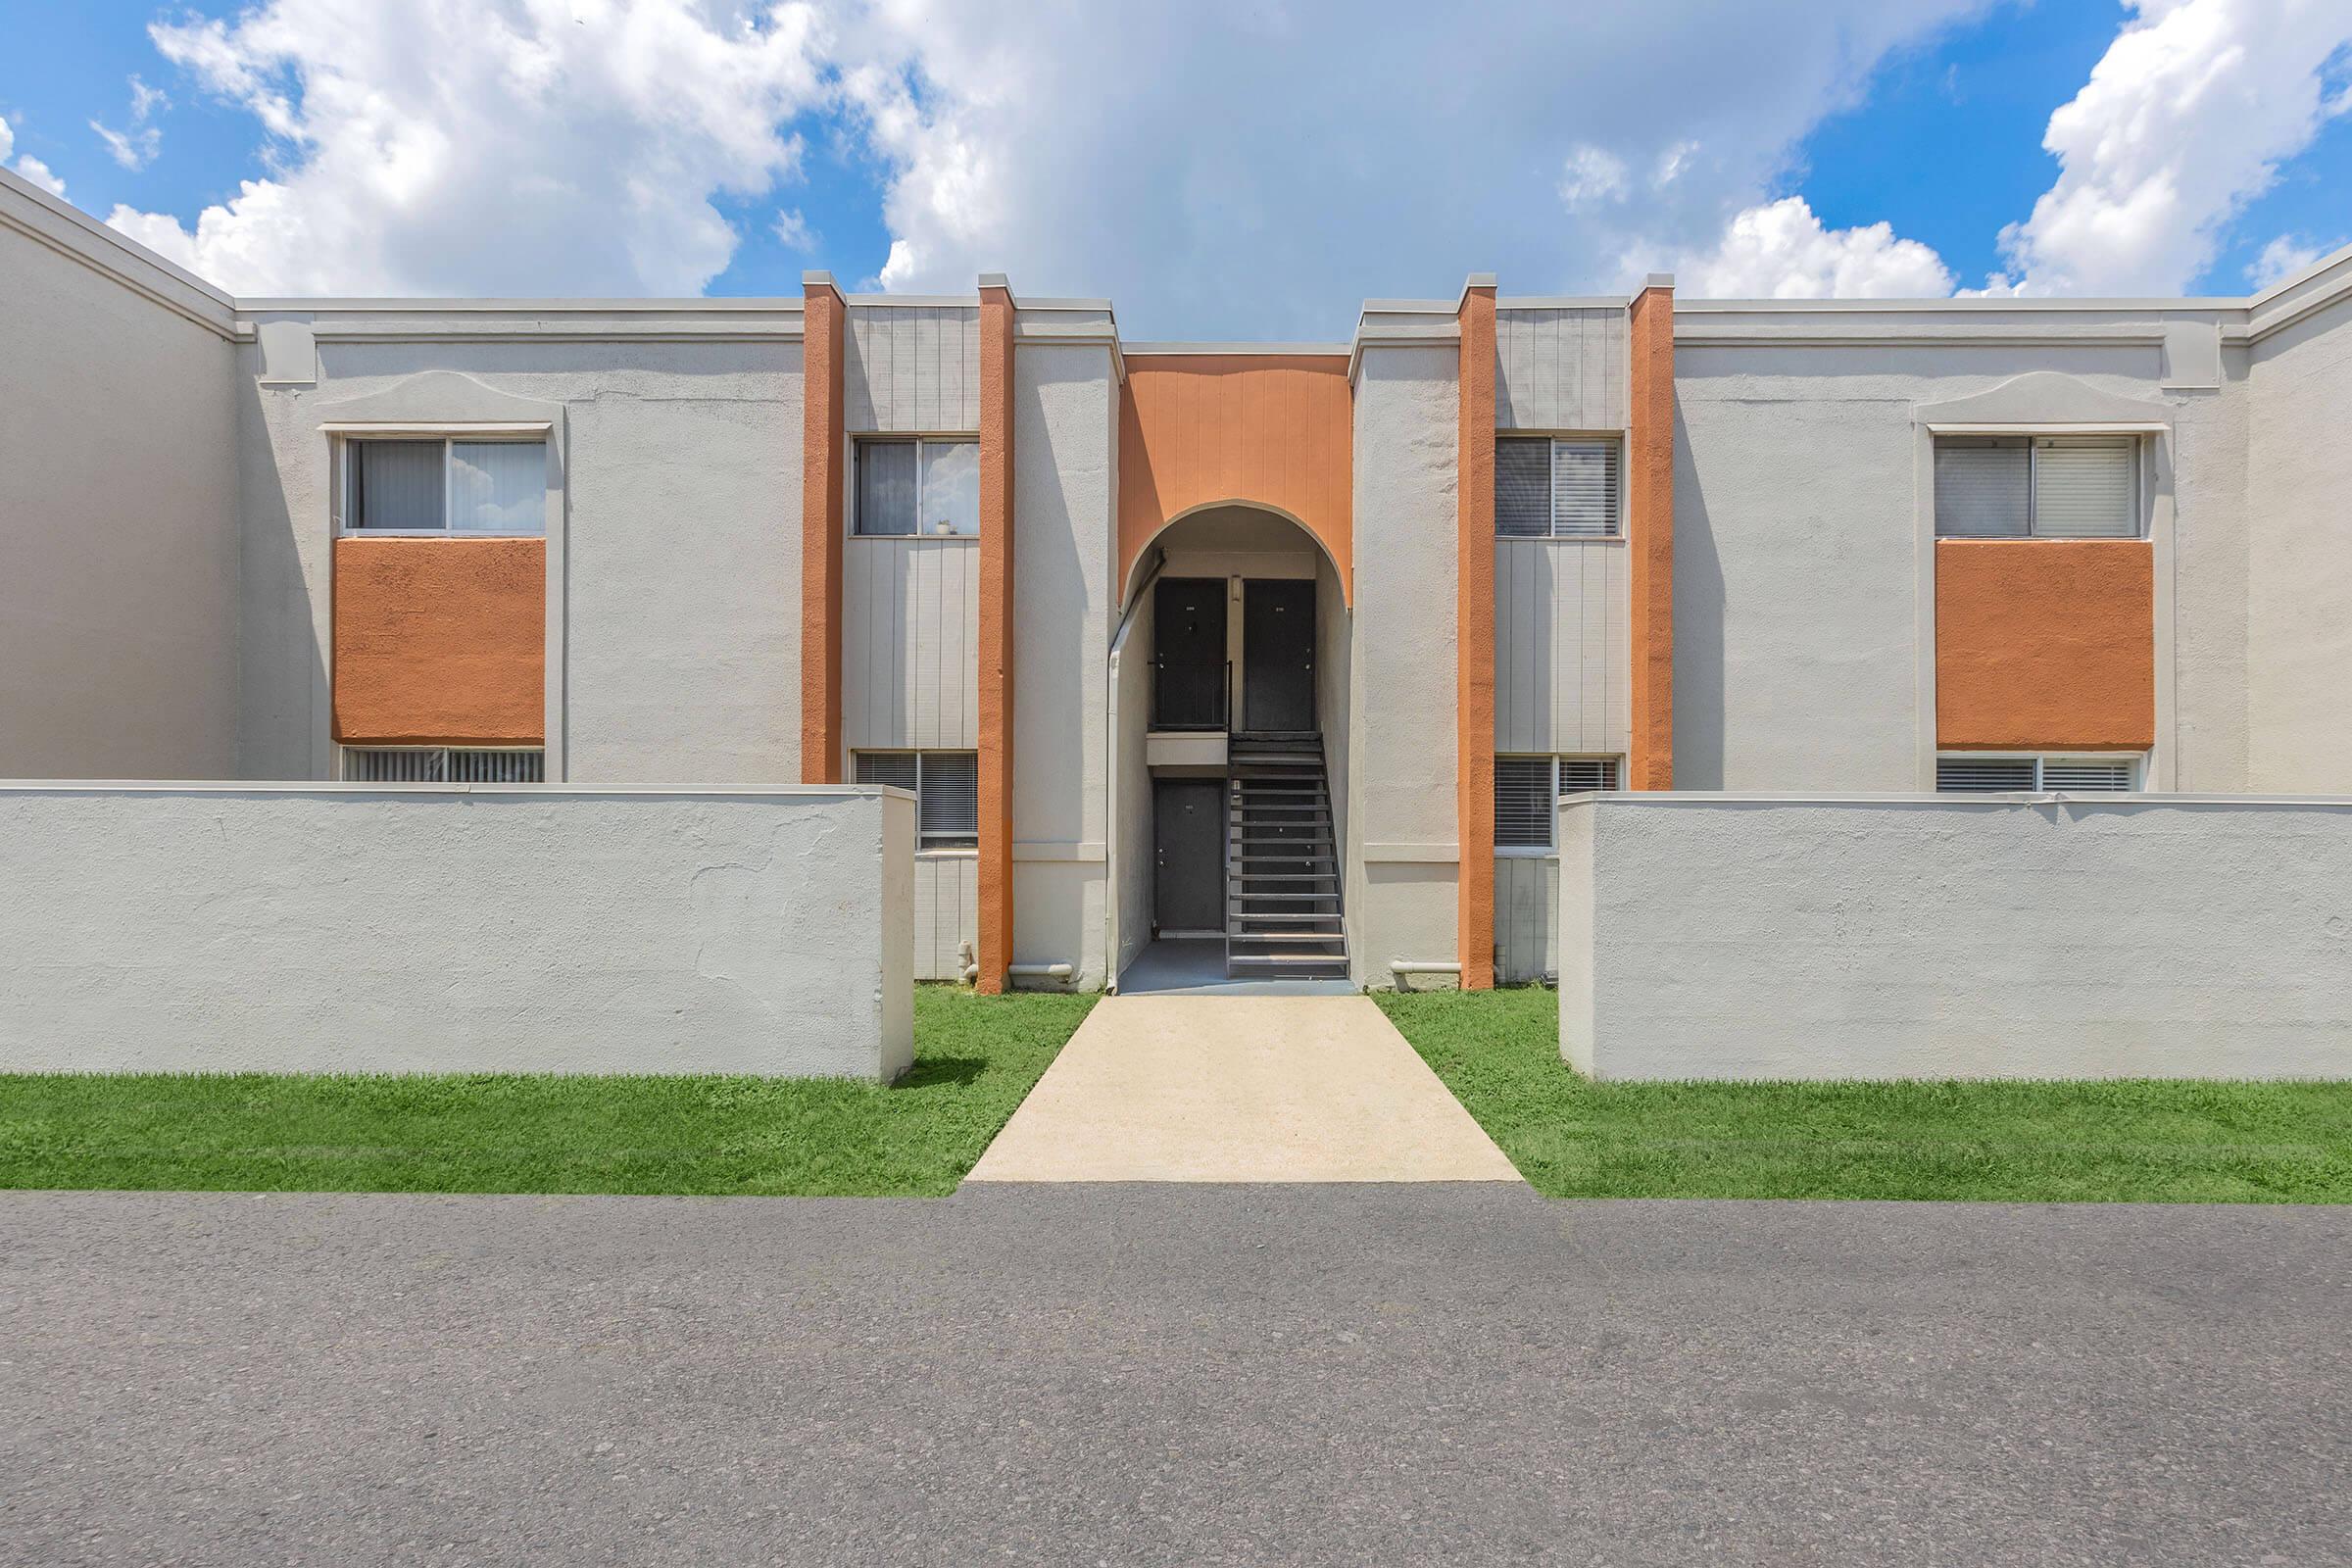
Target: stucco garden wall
(358, 928)
(1712, 936)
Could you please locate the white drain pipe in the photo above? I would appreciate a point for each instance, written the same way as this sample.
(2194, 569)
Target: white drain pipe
(1399, 968)
(1039, 971)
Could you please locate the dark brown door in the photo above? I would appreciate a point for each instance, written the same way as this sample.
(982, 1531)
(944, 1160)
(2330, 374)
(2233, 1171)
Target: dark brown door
(1189, 875)
(1188, 635)
(1278, 655)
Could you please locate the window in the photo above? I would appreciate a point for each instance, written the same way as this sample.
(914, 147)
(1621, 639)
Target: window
(1555, 489)
(445, 764)
(1975, 773)
(947, 792)
(918, 487)
(1527, 791)
(2042, 487)
(447, 486)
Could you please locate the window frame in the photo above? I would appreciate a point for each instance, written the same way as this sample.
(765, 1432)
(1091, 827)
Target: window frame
(1552, 441)
(2138, 760)
(344, 751)
(1551, 845)
(347, 478)
(2135, 441)
(918, 439)
(939, 851)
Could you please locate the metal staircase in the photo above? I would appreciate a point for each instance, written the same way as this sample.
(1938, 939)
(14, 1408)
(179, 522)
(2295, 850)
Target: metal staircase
(1282, 870)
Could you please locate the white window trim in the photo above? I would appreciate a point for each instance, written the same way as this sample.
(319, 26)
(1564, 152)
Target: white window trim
(857, 441)
(2143, 529)
(2042, 760)
(1551, 847)
(1617, 438)
(345, 436)
(947, 852)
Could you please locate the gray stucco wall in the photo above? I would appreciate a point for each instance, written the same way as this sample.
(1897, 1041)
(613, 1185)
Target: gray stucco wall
(356, 929)
(2299, 590)
(1404, 859)
(1064, 496)
(1925, 937)
(679, 562)
(118, 508)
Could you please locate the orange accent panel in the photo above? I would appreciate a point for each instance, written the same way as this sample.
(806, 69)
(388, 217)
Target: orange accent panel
(441, 641)
(1474, 665)
(1649, 535)
(1273, 429)
(825, 325)
(2045, 644)
(996, 638)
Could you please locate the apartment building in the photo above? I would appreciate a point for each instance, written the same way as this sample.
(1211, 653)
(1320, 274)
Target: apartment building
(1284, 652)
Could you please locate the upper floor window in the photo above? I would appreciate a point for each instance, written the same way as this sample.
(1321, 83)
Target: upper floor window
(917, 487)
(2043, 487)
(447, 486)
(445, 764)
(1556, 488)
(1982, 773)
(947, 792)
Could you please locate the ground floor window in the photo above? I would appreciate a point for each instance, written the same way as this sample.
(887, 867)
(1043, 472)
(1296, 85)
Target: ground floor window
(445, 764)
(1527, 791)
(947, 792)
(1993, 773)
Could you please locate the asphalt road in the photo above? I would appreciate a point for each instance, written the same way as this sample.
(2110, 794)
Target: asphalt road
(1169, 1375)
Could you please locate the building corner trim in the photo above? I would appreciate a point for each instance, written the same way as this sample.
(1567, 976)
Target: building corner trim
(997, 327)
(1650, 496)
(1474, 665)
(823, 452)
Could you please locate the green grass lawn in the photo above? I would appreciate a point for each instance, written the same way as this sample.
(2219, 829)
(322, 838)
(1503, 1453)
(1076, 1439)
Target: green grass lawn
(2138, 1141)
(974, 1058)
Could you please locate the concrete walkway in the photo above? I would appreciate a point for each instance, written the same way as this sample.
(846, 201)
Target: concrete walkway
(1241, 1089)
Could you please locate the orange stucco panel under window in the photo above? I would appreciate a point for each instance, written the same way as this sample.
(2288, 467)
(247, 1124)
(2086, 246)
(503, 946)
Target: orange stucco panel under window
(2044, 644)
(1267, 429)
(441, 641)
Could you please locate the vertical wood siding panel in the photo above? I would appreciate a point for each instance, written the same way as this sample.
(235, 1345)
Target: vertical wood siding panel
(1509, 687)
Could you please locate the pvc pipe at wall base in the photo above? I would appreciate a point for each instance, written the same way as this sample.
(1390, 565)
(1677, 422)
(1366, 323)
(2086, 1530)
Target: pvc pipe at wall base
(1040, 971)
(1399, 968)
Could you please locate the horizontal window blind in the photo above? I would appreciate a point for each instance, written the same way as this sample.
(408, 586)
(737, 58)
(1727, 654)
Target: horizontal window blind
(1524, 803)
(444, 764)
(948, 808)
(1579, 774)
(1982, 487)
(1523, 489)
(2087, 774)
(887, 767)
(1984, 775)
(2087, 488)
(1584, 489)
(396, 484)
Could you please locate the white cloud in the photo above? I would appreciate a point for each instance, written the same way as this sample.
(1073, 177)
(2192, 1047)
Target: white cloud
(2183, 121)
(492, 146)
(31, 168)
(2281, 259)
(1782, 251)
(135, 147)
(1592, 174)
(792, 229)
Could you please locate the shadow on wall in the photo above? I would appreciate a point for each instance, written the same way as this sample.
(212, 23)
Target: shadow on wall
(1699, 613)
(281, 663)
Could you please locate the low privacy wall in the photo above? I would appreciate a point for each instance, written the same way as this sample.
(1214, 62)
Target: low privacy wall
(1707, 936)
(365, 928)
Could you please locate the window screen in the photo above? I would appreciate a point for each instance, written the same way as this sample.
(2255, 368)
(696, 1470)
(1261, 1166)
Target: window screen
(947, 792)
(396, 484)
(887, 767)
(1984, 775)
(1982, 487)
(886, 487)
(2086, 488)
(444, 764)
(1523, 489)
(1524, 803)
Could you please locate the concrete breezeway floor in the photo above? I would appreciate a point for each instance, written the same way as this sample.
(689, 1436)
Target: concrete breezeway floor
(1241, 1089)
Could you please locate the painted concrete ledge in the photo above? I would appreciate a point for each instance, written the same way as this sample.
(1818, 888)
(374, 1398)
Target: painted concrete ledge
(439, 928)
(1241, 1089)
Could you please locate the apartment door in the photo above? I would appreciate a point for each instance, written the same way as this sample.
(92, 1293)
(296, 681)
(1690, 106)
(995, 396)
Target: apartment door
(1188, 662)
(1278, 655)
(1189, 870)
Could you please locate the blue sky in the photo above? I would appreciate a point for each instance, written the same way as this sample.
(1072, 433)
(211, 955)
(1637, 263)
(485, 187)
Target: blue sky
(1220, 169)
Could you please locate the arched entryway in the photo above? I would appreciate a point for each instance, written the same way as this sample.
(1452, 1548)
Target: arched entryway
(1229, 757)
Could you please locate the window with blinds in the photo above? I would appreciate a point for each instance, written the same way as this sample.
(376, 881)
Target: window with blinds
(444, 764)
(1548, 488)
(947, 792)
(446, 486)
(1528, 790)
(2043, 487)
(928, 487)
(1967, 774)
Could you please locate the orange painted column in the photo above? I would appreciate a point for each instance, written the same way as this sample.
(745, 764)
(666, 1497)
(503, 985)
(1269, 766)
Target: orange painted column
(996, 633)
(1649, 535)
(1474, 621)
(823, 452)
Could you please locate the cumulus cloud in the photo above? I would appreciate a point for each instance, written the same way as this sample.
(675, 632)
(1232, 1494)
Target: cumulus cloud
(2281, 259)
(1592, 174)
(2185, 119)
(793, 231)
(31, 168)
(134, 147)
(491, 146)
(1782, 251)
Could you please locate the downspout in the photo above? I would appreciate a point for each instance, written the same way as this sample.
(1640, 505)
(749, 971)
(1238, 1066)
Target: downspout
(1110, 772)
